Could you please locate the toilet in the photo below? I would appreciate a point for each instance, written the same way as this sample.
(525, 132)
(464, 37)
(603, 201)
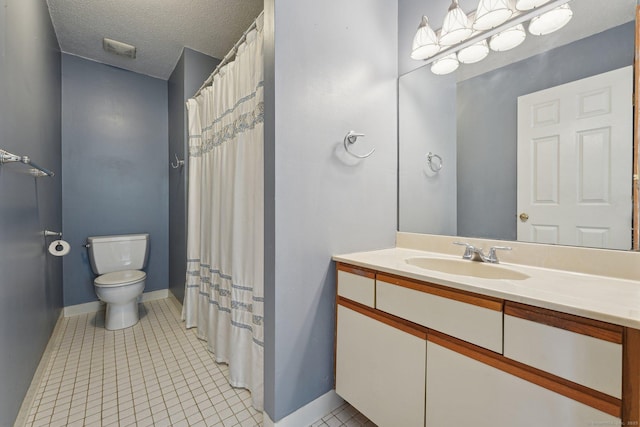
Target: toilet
(118, 261)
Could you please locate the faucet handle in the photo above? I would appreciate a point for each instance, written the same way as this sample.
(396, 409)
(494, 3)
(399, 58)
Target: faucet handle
(468, 252)
(462, 244)
(492, 252)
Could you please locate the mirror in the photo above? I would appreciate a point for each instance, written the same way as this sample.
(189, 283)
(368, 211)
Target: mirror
(470, 120)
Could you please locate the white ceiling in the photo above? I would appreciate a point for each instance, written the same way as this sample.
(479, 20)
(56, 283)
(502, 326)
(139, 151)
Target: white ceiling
(158, 28)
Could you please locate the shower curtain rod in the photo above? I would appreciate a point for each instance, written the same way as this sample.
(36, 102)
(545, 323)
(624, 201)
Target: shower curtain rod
(229, 55)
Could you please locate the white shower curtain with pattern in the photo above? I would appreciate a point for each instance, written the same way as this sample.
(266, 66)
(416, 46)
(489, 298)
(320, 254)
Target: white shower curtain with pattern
(224, 282)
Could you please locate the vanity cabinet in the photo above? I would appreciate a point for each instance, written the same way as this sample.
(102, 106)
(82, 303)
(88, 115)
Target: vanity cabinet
(428, 355)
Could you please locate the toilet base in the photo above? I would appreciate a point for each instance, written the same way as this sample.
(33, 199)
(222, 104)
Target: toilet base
(120, 316)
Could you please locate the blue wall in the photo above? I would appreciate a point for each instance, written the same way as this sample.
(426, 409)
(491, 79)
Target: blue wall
(190, 72)
(115, 167)
(332, 71)
(30, 279)
(177, 182)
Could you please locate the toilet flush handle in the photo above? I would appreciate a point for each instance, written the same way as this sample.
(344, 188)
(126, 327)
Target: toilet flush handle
(87, 245)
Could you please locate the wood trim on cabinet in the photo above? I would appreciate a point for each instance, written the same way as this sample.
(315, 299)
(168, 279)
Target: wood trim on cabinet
(631, 377)
(580, 325)
(335, 329)
(443, 291)
(356, 270)
(577, 392)
(395, 322)
(635, 239)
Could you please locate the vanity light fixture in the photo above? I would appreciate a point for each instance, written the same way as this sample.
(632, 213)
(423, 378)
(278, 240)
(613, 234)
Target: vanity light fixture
(529, 4)
(425, 42)
(474, 53)
(551, 21)
(508, 39)
(445, 65)
(491, 13)
(456, 26)
(495, 24)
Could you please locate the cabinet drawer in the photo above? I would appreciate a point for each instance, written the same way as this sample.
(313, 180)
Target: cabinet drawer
(581, 350)
(466, 316)
(356, 284)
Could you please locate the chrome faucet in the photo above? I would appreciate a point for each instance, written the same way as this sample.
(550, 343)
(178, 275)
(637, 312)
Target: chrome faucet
(477, 254)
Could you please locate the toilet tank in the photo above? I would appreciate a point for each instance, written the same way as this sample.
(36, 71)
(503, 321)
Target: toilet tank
(118, 253)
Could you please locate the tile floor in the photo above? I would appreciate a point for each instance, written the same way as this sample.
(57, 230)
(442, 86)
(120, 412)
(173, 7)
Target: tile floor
(345, 415)
(155, 373)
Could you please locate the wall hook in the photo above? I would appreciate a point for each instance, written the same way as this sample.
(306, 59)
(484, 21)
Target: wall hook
(179, 163)
(351, 138)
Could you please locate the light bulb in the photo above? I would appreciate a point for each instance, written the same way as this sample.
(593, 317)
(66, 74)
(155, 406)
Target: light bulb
(445, 65)
(425, 42)
(491, 13)
(508, 39)
(456, 26)
(474, 53)
(551, 21)
(529, 4)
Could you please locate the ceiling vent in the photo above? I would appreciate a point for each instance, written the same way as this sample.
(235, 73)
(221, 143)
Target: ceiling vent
(119, 48)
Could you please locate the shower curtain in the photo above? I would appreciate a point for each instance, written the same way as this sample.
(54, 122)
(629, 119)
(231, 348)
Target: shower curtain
(224, 282)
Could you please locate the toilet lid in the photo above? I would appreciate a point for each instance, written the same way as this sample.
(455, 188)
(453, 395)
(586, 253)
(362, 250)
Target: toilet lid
(120, 278)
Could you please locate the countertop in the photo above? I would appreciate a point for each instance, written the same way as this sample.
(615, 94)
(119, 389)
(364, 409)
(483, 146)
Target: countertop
(597, 297)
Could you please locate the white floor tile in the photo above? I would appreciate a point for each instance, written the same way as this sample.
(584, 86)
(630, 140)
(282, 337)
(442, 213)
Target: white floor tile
(155, 373)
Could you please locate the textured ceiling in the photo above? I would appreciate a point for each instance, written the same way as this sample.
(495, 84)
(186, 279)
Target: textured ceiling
(158, 28)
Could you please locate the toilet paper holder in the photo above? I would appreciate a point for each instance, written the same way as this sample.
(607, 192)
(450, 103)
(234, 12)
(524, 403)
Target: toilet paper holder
(49, 233)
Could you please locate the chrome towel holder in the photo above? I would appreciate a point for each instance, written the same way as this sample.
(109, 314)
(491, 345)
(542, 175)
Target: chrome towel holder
(6, 157)
(350, 139)
(436, 165)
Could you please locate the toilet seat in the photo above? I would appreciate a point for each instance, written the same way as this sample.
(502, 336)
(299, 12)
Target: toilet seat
(120, 278)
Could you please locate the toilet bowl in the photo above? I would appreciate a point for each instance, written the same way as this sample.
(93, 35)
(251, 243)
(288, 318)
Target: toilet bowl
(120, 290)
(118, 262)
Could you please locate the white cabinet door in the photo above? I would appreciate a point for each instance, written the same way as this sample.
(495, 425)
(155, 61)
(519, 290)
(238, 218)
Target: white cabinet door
(464, 391)
(380, 370)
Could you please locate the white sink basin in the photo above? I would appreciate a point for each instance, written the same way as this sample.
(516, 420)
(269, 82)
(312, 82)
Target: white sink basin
(464, 267)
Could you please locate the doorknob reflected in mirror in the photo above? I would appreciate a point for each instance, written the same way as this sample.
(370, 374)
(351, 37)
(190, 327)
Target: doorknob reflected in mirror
(524, 217)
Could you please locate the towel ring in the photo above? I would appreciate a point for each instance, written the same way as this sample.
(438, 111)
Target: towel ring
(434, 165)
(351, 138)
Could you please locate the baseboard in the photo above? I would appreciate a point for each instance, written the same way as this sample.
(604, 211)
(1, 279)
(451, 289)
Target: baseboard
(54, 339)
(95, 306)
(309, 413)
(87, 307)
(176, 303)
(153, 295)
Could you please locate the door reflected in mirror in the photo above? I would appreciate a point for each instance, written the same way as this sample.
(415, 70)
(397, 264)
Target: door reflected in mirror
(581, 165)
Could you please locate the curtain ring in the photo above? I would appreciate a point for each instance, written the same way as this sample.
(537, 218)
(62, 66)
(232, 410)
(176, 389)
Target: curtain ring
(435, 166)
